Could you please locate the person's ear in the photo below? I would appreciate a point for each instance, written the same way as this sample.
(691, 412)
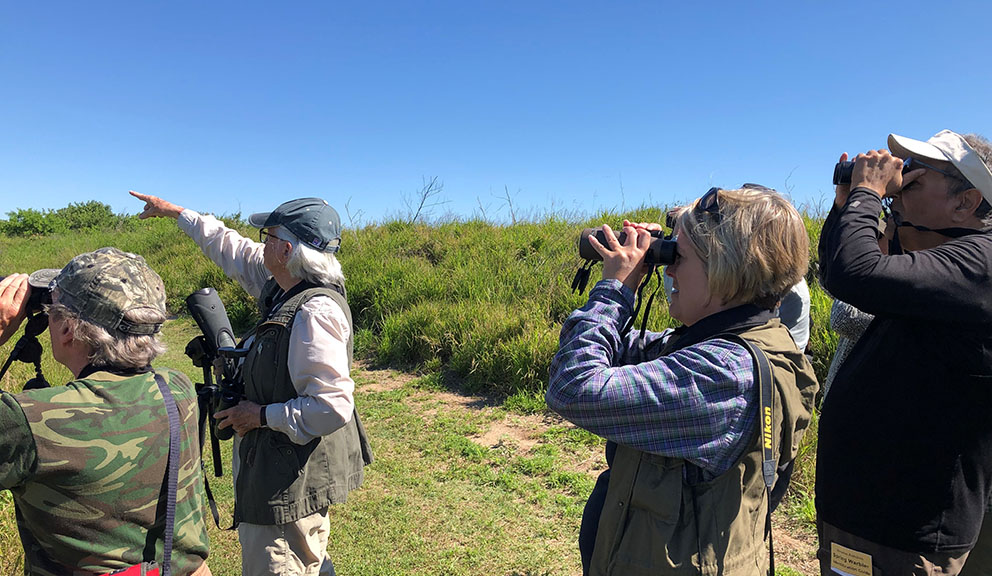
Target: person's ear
(967, 202)
(63, 332)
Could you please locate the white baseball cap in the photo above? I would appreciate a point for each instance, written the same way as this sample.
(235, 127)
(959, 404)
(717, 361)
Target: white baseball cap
(950, 147)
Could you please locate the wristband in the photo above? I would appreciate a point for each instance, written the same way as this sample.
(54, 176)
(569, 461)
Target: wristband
(261, 417)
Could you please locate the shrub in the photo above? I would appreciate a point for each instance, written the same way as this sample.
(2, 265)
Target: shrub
(86, 216)
(28, 222)
(81, 216)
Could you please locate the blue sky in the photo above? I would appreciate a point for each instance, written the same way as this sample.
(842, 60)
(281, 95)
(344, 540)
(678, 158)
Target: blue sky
(567, 107)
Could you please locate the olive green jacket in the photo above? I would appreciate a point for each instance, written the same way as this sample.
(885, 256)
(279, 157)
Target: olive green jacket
(654, 522)
(280, 481)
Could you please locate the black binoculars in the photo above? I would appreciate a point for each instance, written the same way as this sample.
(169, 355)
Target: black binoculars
(661, 252)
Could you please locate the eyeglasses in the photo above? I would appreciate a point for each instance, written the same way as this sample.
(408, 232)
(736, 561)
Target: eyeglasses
(910, 164)
(265, 233)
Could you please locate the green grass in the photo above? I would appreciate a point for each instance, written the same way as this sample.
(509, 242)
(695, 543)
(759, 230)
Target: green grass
(441, 503)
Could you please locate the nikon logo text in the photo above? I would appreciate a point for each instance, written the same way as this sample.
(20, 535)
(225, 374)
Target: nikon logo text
(767, 429)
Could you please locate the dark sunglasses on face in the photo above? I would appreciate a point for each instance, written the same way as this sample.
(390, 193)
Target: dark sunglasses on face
(910, 164)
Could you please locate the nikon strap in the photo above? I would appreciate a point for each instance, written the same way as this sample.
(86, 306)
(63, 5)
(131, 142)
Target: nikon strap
(769, 463)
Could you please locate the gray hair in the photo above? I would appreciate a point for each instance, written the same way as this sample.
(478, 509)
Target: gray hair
(120, 349)
(306, 263)
(984, 150)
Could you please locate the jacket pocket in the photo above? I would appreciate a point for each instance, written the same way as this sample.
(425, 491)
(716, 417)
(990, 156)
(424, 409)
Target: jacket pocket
(655, 507)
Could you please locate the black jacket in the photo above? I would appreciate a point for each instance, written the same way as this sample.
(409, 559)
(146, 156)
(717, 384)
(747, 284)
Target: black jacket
(904, 455)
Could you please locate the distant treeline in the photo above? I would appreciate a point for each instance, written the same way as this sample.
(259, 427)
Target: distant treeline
(74, 217)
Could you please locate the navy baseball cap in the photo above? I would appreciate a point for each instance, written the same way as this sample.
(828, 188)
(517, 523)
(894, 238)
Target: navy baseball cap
(312, 220)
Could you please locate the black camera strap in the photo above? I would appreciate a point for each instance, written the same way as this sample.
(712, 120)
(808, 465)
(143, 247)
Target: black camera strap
(639, 298)
(647, 310)
(766, 402)
(581, 278)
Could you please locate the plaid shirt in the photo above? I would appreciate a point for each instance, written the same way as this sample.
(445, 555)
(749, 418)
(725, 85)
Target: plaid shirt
(698, 403)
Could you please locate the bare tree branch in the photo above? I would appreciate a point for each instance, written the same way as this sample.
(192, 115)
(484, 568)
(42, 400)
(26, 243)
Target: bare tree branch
(482, 209)
(790, 187)
(623, 197)
(354, 220)
(509, 203)
(426, 200)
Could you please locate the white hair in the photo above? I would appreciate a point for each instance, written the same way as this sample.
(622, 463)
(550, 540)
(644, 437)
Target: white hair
(312, 265)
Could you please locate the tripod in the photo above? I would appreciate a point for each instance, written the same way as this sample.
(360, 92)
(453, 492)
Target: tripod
(28, 350)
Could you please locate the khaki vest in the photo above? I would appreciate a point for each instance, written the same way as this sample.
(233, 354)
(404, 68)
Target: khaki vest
(281, 481)
(655, 523)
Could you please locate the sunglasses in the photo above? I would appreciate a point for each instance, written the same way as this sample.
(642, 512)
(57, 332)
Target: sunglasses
(910, 164)
(709, 203)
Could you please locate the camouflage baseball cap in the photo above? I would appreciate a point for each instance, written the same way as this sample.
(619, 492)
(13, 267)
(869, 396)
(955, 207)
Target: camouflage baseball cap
(312, 220)
(102, 286)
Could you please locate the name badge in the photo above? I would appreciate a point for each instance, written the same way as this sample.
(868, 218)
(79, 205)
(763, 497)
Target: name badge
(849, 562)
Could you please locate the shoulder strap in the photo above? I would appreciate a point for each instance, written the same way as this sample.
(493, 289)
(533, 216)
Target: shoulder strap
(284, 305)
(766, 399)
(171, 473)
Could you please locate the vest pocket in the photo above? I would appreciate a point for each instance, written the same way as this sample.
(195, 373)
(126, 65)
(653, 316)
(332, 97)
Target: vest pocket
(279, 463)
(652, 517)
(658, 488)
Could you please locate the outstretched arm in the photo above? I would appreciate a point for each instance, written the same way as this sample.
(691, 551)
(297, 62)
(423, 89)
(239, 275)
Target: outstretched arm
(156, 207)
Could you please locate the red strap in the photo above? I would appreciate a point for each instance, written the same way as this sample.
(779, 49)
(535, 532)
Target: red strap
(138, 570)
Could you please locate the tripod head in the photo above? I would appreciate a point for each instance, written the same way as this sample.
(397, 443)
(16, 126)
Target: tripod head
(28, 350)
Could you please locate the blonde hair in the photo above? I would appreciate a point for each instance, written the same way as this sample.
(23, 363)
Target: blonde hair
(122, 350)
(755, 247)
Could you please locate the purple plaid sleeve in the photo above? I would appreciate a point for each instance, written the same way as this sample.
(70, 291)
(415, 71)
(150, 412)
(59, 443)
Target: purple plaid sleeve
(698, 403)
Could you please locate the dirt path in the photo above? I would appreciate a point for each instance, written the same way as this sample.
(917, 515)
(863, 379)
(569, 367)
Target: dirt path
(794, 541)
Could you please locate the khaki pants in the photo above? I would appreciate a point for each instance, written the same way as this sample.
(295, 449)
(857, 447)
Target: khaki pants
(885, 561)
(295, 549)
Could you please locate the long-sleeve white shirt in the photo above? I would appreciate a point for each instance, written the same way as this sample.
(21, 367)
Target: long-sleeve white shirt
(318, 354)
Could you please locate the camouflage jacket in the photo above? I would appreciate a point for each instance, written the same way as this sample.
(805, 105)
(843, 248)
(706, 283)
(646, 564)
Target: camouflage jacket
(86, 464)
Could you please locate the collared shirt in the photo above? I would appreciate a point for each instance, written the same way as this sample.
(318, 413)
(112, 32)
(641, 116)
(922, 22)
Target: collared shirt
(318, 355)
(698, 403)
